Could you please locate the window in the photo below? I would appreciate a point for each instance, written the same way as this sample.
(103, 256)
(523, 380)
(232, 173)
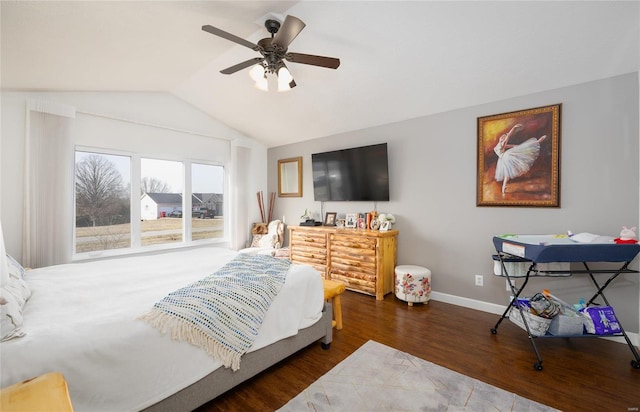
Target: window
(109, 217)
(103, 202)
(161, 198)
(207, 186)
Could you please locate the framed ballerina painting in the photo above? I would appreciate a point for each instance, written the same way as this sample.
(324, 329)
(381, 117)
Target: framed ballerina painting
(519, 158)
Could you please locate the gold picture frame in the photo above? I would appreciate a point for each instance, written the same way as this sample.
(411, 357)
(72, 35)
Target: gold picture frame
(519, 158)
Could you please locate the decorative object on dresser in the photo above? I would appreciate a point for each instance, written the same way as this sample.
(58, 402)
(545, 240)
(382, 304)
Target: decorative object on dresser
(330, 219)
(364, 260)
(388, 218)
(351, 220)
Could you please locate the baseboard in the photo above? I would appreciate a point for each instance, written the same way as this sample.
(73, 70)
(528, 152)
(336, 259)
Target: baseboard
(499, 310)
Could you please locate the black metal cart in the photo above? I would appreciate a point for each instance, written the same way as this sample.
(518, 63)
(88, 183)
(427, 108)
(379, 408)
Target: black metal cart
(537, 249)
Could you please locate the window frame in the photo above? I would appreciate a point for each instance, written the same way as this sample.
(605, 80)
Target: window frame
(136, 232)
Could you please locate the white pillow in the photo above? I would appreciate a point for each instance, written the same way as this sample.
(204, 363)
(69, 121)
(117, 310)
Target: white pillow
(268, 241)
(273, 227)
(17, 284)
(19, 289)
(4, 269)
(10, 316)
(15, 269)
(256, 240)
(276, 228)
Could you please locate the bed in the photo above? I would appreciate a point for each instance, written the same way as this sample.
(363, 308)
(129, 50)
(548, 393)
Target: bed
(82, 320)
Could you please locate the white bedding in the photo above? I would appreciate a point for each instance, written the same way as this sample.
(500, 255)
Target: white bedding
(82, 321)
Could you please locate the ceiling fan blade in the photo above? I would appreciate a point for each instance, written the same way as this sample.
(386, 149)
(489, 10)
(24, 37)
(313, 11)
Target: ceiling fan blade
(291, 27)
(243, 65)
(221, 33)
(328, 62)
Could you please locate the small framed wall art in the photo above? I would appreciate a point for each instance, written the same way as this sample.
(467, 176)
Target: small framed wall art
(519, 158)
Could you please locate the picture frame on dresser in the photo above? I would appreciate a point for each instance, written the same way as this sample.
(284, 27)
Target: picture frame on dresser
(350, 220)
(330, 219)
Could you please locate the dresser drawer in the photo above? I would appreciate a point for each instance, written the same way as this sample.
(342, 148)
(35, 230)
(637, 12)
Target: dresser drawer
(308, 239)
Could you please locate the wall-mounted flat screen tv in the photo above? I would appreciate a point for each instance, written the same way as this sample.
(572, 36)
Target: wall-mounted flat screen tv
(356, 174)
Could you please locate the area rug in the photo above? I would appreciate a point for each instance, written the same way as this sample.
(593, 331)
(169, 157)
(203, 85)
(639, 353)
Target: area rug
(379, 378)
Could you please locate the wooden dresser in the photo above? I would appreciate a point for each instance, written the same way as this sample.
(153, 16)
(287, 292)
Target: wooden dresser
(364, 260)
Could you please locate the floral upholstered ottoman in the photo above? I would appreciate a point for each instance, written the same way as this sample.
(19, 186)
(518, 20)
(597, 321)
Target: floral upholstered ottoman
(413, 283)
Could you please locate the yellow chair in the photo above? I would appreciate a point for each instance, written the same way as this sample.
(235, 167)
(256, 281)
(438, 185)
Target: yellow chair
(48, 392)
(332, 291)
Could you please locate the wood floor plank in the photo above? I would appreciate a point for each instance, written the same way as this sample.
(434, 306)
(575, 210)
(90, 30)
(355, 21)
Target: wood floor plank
(579, 373)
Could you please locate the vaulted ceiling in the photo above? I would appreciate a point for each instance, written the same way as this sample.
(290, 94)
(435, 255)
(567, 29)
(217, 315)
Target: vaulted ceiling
(399, 60)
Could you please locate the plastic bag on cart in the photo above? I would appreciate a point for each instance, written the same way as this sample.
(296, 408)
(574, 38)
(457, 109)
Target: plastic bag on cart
(543, 306)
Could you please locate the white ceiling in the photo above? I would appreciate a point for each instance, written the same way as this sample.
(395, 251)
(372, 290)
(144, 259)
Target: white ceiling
(399, 60)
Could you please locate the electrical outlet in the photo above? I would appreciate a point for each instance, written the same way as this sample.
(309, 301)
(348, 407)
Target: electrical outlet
(479, 280)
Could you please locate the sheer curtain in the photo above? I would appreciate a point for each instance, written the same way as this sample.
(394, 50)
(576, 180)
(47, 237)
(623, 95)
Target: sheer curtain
(48, 194)
(240, 228)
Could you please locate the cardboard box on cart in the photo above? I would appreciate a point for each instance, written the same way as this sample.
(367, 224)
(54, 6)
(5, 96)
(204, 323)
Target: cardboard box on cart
(566, 325)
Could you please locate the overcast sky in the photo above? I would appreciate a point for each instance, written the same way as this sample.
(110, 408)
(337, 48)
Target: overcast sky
(205, 178)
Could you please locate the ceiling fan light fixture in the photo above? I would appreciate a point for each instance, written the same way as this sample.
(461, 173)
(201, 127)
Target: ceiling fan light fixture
(274, 51)
(257, 72)
(284, 78)
(262, 84)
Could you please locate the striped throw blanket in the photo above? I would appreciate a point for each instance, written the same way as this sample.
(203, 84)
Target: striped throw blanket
(222, 312)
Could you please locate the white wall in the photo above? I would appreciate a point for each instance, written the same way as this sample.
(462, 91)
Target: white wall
(432, 162)
(157, 124)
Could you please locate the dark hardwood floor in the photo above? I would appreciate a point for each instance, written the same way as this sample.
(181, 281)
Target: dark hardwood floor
(579, 373)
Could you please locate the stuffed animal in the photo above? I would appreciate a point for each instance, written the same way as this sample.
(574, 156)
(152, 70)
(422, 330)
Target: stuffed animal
(627, 235)
(259, 229)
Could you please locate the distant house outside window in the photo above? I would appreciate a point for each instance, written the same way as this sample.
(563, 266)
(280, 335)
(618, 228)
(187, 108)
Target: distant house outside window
(161, 191)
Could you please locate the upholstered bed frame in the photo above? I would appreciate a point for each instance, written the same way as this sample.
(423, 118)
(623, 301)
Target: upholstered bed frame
(223, 379)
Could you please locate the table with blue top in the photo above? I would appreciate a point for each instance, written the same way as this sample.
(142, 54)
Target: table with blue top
(562, 248)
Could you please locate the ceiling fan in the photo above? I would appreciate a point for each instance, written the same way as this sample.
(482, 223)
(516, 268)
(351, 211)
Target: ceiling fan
(274, 51)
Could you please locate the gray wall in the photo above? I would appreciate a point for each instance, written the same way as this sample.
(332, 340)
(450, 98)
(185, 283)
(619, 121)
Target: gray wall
(432, 166)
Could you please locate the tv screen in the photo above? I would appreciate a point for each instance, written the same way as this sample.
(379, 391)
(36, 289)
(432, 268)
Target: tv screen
(357, 174)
